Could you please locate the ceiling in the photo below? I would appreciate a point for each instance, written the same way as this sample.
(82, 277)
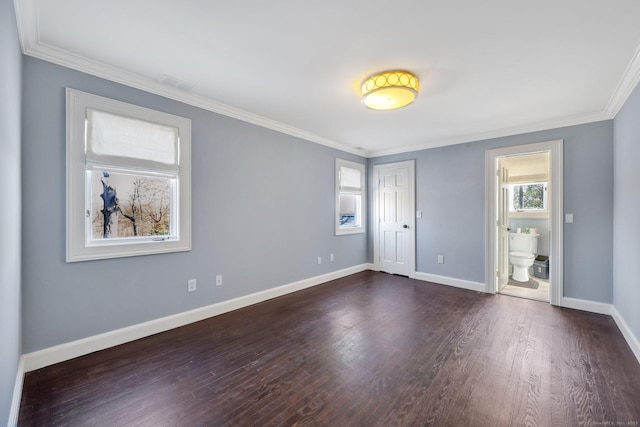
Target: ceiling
(486, 69)
(527, 167)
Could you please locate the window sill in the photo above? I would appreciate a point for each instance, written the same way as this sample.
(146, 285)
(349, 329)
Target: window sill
(345, 231)
(127, 250)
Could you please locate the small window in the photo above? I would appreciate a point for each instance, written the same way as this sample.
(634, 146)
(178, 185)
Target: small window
(350, 190)
(528, 197)
(128, 179)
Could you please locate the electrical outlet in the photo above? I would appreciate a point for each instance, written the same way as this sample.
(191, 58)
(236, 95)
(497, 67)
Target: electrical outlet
(191, 285)
(219, 280)
(331, 258)
(440, 259)
(319, 260)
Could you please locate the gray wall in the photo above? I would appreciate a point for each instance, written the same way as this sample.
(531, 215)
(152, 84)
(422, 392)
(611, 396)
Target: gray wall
(450, 193)
(247, 229)
(626, 223)
(245, 226)
(10, 109)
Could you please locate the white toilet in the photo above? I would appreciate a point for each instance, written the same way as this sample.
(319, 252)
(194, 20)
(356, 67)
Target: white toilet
(522, 252)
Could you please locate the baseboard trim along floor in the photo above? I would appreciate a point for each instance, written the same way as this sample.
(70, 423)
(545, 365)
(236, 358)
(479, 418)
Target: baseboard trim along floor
(60, 353)
(572, 303)
(67, 351)
(451, 281)
(17, 394)
(366, 349)
(628, 335)
(49, 356)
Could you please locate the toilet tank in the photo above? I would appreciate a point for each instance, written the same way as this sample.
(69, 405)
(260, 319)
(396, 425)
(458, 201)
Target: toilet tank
(522, 242)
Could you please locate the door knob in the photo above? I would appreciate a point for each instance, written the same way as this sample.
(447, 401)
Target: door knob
(405, 226)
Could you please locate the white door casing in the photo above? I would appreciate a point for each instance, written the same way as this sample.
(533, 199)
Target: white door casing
(503, 226)
(555, 148)
(394, 234)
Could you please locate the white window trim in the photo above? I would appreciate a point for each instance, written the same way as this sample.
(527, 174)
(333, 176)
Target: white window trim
(361, 167)
(76, 103)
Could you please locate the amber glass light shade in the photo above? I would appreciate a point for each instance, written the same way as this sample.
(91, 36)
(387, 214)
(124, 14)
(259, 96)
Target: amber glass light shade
(389, 90)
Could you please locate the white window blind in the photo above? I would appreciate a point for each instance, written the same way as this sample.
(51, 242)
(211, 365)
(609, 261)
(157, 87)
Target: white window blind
(113, 139)
(350, 197)
(350, 179)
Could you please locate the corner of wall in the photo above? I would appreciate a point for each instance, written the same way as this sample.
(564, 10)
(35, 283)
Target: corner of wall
(17, 395)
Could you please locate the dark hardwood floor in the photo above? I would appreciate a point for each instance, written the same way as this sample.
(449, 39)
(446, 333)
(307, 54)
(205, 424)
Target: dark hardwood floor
(367, 350)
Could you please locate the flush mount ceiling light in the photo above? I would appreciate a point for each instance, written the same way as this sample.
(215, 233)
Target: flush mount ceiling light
(389, 90)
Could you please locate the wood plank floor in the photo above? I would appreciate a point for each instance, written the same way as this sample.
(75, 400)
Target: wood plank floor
(367, 350)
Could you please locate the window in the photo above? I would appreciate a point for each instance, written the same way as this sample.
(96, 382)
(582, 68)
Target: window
(528, 197)
(128, 179)
(349, 197)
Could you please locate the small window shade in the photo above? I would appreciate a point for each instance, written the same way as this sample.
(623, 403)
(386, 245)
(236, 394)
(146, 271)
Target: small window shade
(350, 179)
(122, 141)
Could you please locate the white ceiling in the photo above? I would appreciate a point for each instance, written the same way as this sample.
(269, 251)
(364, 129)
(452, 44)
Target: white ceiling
(526, 166)
(486, 69)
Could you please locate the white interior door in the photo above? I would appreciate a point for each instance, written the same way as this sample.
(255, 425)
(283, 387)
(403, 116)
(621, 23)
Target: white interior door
(395, 205)
(502, 224)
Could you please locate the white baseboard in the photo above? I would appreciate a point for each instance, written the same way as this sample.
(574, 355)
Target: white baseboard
(17, 395)
(450, 281)
(585, 305)
(628, 334)
(60, 353)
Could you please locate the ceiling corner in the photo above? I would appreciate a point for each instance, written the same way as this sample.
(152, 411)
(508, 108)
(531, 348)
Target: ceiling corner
(27, 21)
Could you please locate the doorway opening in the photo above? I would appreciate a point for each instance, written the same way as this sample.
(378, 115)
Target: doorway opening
(524, 226)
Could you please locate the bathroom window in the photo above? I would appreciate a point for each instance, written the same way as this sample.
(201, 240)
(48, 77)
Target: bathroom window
(528, 197)
(349, 197)
(128, 179)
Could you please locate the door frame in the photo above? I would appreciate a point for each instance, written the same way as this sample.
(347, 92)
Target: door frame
(555, 148)
(502, 238)
(411, 252)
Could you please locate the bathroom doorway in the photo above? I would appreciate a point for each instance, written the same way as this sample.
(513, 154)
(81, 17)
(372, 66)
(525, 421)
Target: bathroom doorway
(524, 238)
(523, 230)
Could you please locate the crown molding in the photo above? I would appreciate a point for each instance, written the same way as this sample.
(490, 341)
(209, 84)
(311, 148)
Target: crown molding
(78, 63)
(498, 133)
(27, 18)
(628, 82)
